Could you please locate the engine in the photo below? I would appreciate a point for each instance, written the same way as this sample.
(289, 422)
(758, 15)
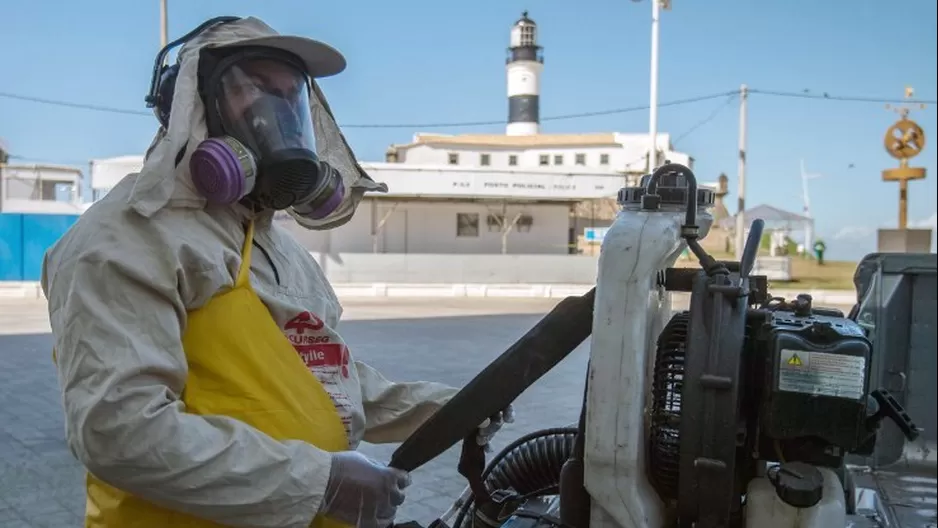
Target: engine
(757, 399)
(803, 398)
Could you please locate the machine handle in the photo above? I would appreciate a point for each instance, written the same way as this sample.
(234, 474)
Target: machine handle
(890, 408)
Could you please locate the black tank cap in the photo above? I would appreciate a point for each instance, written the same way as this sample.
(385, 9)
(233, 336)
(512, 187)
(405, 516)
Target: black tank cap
(672, 188)
(798, 484)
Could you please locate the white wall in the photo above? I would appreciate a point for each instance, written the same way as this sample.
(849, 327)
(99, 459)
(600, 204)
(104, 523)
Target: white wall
(471, 157)
(26, 206)
(430, 227)
(39, 182)
(628, 156)
(365, 268)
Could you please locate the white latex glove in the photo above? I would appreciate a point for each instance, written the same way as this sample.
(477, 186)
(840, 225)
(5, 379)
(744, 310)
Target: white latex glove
(363, 492)
(492, 425)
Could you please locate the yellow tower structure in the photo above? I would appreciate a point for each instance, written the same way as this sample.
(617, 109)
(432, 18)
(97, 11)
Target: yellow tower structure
(904, 140)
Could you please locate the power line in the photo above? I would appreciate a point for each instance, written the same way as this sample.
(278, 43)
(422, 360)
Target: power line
(561, 117)
(580, 115)
(716, 111)
(67, 104)
(35, 160)
(696, 126)
(808, 94)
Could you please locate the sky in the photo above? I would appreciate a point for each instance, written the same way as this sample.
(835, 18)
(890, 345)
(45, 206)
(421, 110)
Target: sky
(433, 62)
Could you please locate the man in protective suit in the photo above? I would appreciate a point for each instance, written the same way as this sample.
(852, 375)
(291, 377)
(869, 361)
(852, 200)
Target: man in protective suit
(204, 382)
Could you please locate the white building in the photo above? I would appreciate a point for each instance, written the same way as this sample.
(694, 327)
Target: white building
(615, 159)
(40, 188)
(446, 209)
(608, 152)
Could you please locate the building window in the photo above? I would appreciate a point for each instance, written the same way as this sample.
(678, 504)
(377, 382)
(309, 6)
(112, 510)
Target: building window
(527, 35)
(495, 222)
(467, 224)
(581, 159)
(558, 159)
(524, 223)
(453, 158)
(604, 159)
(485, 160)
(544, 160)
(512, 160)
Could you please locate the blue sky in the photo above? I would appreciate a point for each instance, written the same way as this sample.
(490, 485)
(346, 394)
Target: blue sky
(427, 61)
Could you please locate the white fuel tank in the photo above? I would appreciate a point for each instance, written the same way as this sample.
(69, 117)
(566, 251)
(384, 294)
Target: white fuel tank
(629, 314)
(764, 508)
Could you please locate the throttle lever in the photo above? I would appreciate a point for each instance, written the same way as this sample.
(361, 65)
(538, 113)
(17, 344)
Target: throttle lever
(890, 408)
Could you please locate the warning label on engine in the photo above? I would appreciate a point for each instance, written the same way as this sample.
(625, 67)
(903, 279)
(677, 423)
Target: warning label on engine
(821, 374)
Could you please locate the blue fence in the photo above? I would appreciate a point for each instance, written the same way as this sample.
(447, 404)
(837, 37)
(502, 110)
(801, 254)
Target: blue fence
(24, 239)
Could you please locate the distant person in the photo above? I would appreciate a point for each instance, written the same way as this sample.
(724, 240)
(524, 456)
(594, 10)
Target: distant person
(204, 381)
(779, 241)
(819, 248)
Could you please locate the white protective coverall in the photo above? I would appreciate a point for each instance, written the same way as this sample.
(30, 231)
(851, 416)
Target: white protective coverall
(119, 286)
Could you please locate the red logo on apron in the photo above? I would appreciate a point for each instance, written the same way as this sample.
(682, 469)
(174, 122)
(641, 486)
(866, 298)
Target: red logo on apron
(303, 322)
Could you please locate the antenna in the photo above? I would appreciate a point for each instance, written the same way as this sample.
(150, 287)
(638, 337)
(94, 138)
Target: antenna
(809, 228)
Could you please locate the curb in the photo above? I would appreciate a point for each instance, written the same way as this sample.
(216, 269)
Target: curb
(32, 290)
(20, 290)
(549, 291)
(544, 291)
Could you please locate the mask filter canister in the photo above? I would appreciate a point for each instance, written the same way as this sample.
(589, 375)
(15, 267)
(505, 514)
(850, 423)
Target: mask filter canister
(223, 170)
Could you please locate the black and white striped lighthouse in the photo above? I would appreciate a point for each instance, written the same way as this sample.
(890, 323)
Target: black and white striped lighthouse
(524, 64)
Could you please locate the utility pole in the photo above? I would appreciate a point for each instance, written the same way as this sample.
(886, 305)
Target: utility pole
(653, 84)
(656, 7)
(164, 25)
(741, 172)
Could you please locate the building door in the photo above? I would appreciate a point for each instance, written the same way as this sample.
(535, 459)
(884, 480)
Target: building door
(395, 232)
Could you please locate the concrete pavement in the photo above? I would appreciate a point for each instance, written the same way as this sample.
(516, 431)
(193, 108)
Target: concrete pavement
(31, 290)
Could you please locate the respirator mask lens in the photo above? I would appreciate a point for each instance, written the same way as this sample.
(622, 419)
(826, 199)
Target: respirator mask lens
(262, 106)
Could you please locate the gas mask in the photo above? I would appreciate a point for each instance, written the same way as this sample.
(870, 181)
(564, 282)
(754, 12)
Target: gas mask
(261, 149)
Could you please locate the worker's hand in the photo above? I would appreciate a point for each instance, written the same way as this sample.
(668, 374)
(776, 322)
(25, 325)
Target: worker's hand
(362, 492)
(492, 425)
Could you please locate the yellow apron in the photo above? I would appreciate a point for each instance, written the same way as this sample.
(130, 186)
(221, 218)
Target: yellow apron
(240, 365)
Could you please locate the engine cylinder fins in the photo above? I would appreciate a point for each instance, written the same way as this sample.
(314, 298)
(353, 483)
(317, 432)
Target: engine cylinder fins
(665, 442)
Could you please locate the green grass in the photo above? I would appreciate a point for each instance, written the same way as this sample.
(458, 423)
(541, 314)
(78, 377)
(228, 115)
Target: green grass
(806, 274)
(836, 275)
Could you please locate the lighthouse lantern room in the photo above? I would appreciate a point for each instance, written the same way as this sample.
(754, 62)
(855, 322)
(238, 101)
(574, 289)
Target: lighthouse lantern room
(524, 64)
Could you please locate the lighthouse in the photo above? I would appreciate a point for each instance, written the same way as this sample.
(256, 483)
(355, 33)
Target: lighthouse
(524, 64)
